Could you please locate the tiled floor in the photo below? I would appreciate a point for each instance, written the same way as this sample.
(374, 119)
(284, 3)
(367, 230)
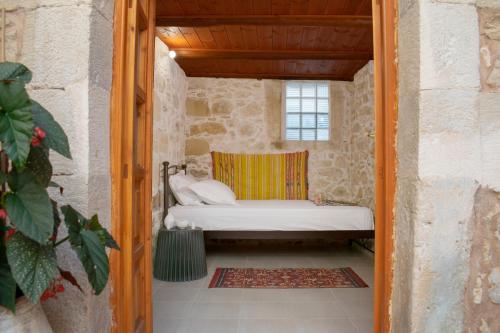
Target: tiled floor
(191, 307)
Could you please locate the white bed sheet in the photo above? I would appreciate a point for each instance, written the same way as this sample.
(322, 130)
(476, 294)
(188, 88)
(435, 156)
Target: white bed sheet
(279, 215)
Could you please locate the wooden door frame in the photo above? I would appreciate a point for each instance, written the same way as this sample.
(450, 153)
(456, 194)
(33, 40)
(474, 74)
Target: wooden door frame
(123, 96)
(385, 89)
(385, 18)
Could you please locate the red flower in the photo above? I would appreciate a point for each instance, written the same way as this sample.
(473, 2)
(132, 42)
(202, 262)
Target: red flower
(9, 234)
(56, 287)
(59, 288)
(35, 141)
(3, 214)
(47, 294)
(40, 133)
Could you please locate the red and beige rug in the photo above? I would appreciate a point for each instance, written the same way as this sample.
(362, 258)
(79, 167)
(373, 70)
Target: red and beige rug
(286, 278)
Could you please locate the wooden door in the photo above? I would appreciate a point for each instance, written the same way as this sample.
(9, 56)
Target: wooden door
(131, 163)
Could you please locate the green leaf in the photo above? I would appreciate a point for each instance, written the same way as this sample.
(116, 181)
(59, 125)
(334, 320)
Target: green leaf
(96, 262)
(14, 71)
(88, 247)
(16, 121)
(33, 266)
(57, 218)
(39, 164)
(105, 237)
(29, 207)
(3, 177)
(7, 287)
(7, 282)
(55, 137)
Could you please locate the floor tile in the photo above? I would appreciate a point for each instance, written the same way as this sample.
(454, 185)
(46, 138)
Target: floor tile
(176, 294)
(177, 310)
(219, 295)
(326, 325)
(265, 310)
(317, 310)
(358, 307)
(267, 326)
(169, 325)
(264, 295)
(363, 325)
(215, 325)
(310, 295)
(343, 294)
(191, 307)
(216, 310)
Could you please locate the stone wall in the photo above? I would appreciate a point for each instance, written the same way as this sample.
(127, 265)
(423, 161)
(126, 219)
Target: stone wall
(483, 287)
(446, 228)
(169, 113)
(68, 46)
(245, 116)
(362, 142)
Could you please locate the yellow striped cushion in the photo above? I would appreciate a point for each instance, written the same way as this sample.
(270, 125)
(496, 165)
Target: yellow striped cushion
(263, 176)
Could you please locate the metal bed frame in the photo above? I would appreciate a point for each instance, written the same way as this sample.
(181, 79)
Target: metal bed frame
(169, 201)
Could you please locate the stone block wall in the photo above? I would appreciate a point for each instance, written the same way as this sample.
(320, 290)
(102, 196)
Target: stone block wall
(68, 46)
(447, 202)
(169, 116)
(245, 116)
(362, 141)
(482, 293)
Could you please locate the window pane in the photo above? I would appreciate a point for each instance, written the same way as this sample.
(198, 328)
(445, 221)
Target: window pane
(323, 90)
(309, 105)
(293, 120)
(323, 134)
(323, 106)
(323, 120)
(308, 121)
(308, 134)
(308, 90)
(292, 90)
(292, 105)
(293, 134)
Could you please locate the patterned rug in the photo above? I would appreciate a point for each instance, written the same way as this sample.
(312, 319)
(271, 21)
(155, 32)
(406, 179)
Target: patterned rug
(286, 278)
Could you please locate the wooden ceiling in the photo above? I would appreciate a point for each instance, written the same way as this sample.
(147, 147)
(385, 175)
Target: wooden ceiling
(279, 39)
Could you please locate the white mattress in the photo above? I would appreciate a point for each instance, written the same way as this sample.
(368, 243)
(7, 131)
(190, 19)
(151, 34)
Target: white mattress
(281, 215)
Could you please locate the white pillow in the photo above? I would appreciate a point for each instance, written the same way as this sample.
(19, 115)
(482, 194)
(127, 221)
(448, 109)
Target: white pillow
(213, 192)
(179, 184)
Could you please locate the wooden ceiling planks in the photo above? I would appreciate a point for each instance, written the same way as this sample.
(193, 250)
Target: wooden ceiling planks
(300, 39)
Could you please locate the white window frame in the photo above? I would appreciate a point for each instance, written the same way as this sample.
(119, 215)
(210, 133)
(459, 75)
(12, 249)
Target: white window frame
(284, 113)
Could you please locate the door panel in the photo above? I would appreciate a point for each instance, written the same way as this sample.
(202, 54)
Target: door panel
(131, 163)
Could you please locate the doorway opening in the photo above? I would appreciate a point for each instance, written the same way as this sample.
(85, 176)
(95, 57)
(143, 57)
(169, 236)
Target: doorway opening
(252, 82)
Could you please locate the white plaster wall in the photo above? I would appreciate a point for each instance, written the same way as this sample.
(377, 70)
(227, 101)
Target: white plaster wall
(169, 117)
(68, 46)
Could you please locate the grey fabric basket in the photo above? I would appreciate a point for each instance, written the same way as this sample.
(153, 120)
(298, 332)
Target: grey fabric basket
(180, 255)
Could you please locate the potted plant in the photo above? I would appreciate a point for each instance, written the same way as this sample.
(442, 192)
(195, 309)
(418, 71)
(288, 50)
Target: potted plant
(29, 218)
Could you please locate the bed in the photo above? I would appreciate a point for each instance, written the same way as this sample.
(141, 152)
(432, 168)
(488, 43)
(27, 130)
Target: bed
(271, 219)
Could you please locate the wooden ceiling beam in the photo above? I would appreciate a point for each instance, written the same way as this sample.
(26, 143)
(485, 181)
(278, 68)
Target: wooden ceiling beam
(188, 53)
(299, 20)
(280, 76)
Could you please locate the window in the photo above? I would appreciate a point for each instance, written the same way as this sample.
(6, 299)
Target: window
(307, 111)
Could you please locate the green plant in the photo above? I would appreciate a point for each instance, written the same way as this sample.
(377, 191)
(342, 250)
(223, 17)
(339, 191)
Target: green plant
(29, 218)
